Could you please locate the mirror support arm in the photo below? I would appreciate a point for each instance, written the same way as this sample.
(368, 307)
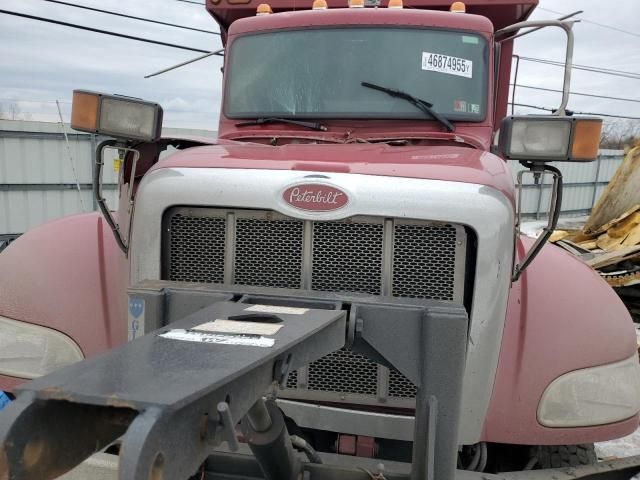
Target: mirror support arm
(554, 213)
(97, 190)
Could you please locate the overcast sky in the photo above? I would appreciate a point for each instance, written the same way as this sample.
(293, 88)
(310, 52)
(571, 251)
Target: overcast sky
(41, 63)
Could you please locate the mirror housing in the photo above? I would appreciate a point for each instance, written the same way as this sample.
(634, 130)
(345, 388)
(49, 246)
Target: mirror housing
(123, 118)
(549, 138)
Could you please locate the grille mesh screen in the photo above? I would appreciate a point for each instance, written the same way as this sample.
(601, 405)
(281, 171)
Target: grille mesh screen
(197, 248)
(292, 380)
(347, 257)
(424, 261)
(268, 253)
(345, 372)
(400, 386)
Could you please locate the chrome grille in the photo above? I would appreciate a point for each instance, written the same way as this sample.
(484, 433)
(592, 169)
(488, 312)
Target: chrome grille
(347, 257)
(268, 253)
(372, 255)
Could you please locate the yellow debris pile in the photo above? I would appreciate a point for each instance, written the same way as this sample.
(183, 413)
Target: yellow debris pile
(610, 239)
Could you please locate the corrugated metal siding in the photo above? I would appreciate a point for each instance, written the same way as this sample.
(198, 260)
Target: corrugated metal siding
(37, 182)
(583, 184)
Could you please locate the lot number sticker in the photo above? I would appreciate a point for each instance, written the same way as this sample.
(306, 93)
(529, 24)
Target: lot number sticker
(437, 62)
(235, 326)
(203, 337)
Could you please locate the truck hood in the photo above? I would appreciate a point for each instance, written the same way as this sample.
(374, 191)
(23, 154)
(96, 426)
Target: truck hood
(450, 163)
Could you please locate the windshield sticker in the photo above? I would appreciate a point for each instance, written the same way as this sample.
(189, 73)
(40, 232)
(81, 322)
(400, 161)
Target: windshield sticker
(460, 106)
(471, 40)
(201, 337)
(465, 107)
(237, 326)
(436, 62)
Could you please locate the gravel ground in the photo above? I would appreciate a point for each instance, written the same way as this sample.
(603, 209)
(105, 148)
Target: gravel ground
(622, 447)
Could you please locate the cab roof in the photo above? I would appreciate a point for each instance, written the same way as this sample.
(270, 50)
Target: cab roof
(368, 16)
(500, 13)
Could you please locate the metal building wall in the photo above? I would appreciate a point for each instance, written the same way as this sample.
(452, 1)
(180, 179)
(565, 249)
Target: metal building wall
(37, 181)
(583, 184)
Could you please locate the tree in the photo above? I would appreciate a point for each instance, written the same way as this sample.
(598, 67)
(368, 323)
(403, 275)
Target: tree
(618, 134)
(13, 112)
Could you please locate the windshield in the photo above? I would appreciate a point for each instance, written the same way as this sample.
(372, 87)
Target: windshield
(318, 73)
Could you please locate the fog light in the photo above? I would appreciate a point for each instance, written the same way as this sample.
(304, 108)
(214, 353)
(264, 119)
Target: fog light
(30, 351)
(592, 396)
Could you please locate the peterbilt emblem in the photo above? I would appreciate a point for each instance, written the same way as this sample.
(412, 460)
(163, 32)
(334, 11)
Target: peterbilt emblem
(315, 197)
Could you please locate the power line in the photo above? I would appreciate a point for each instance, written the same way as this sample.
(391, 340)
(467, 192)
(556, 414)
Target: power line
(588, 68)
(142, 19)
(104, 32)
(603, 25)
(190, 1)
(574, 112)
(576, 93)
(18, 100)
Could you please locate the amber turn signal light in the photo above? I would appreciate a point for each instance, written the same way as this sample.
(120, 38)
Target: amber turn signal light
(84, 111)
(586, 138)
(458, 7)
(264, 9)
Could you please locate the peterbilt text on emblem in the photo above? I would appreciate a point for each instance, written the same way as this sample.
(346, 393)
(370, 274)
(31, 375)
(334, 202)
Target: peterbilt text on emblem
(315, 197)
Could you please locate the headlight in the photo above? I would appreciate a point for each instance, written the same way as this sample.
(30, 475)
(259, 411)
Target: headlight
(30, 351)
(592, 396)
(542, 137)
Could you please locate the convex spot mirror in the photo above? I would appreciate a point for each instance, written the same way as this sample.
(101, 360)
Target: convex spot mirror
(116, 116)
(549, 138)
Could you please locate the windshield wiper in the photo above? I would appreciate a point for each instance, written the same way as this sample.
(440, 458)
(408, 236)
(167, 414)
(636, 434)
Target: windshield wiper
(423, 105)
(262, 121)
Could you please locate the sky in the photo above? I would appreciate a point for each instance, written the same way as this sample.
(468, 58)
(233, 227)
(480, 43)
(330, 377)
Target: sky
(41, 63)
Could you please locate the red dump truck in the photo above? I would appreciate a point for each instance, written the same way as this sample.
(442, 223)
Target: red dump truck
(352, 236)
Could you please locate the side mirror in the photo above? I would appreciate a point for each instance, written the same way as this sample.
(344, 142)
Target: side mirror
(124, 118)
(127, 120)
(535, 140)
(548, 138)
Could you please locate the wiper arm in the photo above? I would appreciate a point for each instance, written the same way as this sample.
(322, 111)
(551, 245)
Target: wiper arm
(262, 121)
(423, 105)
